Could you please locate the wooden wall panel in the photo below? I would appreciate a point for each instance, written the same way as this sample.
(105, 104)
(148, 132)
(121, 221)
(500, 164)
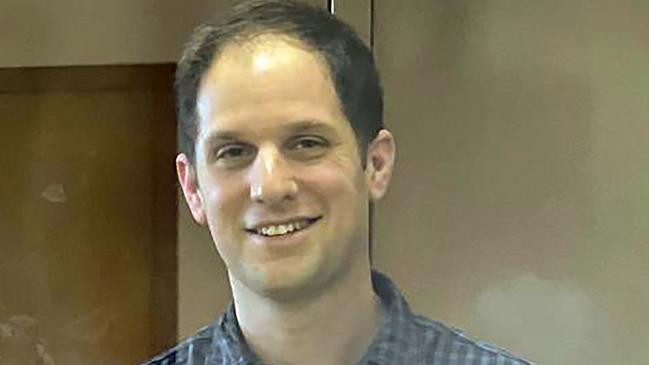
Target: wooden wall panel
(87, 223)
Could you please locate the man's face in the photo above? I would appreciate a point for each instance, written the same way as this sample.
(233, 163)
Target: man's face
(277, 177)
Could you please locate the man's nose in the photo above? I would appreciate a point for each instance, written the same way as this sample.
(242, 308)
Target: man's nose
(272, 180)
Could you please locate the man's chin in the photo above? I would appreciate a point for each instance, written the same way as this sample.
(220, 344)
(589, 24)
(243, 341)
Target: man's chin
(285, 286)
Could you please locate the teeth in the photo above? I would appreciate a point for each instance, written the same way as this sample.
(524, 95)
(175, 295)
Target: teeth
(281, 229)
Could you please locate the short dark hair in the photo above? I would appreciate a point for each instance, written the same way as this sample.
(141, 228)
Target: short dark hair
(350, 62)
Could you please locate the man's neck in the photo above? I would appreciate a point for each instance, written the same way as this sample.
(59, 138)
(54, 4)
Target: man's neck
(334, 327)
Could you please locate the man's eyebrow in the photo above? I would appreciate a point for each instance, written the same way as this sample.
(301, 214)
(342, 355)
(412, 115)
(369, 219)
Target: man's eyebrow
(310, 126)
(301, 126)
(217, 138)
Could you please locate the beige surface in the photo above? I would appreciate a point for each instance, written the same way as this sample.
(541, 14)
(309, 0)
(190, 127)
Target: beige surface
(520, 201)
(357, 13)
(203, 286)
(72, 32)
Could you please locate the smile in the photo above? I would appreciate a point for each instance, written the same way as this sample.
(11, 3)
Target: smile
(274, 230)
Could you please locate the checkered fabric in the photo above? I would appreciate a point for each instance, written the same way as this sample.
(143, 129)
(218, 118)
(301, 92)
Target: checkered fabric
(404, 339)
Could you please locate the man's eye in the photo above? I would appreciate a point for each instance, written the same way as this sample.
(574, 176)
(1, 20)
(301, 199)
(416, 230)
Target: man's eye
(308, 143)
(307, 147)
(233, 152)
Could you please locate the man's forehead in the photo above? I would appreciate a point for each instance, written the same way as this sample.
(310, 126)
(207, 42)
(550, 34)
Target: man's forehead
(264, 51)
(266, 68)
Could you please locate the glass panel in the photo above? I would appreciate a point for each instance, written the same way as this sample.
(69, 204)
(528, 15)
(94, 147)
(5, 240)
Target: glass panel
(519, 205)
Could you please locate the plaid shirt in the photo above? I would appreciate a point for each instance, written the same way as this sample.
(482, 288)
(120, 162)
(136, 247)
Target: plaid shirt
(404, 339)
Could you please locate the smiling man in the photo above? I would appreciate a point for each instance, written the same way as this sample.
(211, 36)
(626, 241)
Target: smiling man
(282, 149)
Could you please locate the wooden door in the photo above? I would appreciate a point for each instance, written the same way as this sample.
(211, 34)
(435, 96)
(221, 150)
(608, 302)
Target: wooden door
(87, 214)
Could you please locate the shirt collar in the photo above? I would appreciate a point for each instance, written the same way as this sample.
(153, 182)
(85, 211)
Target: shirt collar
(229, 339)
(395, 340)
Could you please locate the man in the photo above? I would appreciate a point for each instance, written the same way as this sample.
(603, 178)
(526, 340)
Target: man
(282, 149)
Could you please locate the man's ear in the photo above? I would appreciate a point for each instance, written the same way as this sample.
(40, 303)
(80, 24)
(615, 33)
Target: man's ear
(380, 164)
(189, 184)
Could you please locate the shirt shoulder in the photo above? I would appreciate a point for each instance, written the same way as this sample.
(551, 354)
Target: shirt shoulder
(191, 351)
(450, 346)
